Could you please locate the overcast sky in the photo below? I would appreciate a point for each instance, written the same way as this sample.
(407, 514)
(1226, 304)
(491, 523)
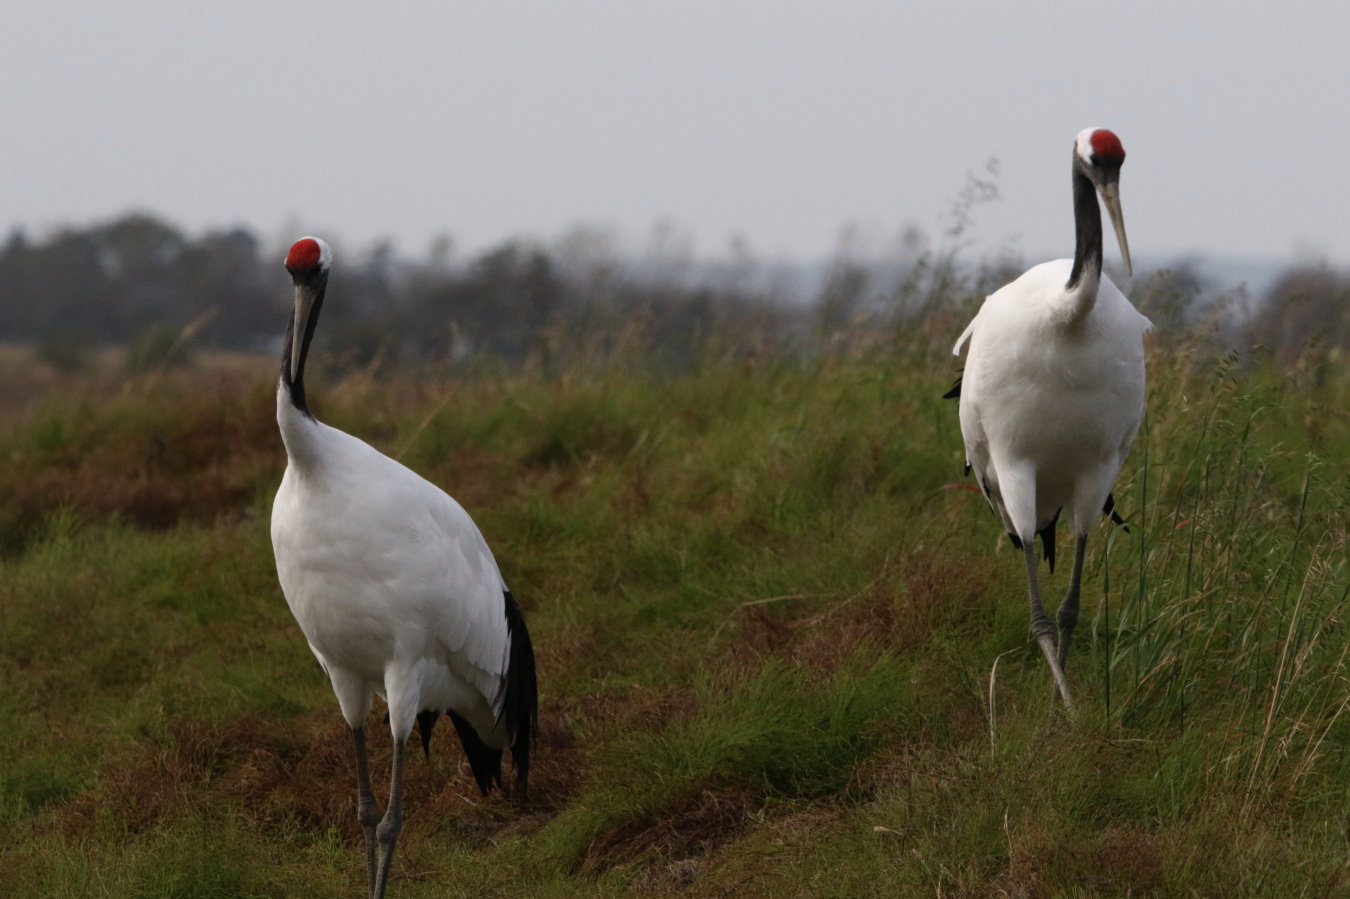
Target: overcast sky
(771, 120)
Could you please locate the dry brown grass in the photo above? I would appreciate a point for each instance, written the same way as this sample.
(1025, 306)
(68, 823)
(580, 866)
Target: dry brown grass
(153, 451)
(692, 825)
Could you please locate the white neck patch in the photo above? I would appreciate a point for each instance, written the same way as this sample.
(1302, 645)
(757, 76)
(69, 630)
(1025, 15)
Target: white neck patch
(1082, 145)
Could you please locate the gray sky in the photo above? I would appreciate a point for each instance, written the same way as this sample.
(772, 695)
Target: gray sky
(774, 120)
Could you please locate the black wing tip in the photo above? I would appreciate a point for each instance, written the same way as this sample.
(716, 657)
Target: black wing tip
(520, 709)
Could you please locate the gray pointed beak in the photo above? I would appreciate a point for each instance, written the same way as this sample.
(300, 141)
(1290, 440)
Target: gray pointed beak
(304, 301)
(1111, 197)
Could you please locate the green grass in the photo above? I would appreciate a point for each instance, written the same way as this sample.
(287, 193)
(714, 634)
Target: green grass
(767, 611)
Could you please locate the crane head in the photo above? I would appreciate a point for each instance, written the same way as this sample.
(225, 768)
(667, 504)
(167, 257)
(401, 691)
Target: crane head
(308, 262)
(308, 254)
(1099, 155)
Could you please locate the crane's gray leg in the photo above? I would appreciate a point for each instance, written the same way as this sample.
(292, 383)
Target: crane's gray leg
(1068, 610)
(1041, 628)
(367, 809)
(387, 832)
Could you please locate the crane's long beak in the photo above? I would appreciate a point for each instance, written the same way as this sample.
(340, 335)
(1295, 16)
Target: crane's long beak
(1111, 197)
(305, 295)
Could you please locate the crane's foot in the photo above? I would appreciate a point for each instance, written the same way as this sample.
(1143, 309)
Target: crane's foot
(1062, 652)
(1068, 609)
(386, 834)
(1042, 629)
(1056, 670)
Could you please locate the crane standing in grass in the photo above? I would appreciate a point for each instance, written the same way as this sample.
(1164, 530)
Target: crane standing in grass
(1053, 391)
(395, 590)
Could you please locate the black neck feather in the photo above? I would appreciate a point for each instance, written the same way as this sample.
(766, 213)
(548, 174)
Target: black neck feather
(1087, 220)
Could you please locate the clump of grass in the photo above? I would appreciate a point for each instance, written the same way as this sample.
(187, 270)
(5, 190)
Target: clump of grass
(153, 455)
(773, 734)
(1231, 618)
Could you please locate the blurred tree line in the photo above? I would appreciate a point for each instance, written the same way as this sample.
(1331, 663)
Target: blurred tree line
(141, 283)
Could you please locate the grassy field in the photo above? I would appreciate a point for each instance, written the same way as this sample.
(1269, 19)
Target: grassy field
(783, 647)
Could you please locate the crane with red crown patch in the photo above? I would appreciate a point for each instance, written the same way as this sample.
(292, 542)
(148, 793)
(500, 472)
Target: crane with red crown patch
(395, 589)
(1053, 391)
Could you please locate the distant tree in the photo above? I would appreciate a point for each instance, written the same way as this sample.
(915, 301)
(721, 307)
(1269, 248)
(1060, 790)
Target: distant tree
(140, 261)
(842, 296)
(1308, 306)
(114, 282)
(222, 275)
(15, 280)
(515, 295)
(1171, 297)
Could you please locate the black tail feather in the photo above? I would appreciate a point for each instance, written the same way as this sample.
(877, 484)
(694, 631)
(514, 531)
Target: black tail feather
(1047, 535)
(485, 761)
(1048, 541)
(1110, 509)
(426, 722)
(955, 394)
(520, 709)
(520, 714)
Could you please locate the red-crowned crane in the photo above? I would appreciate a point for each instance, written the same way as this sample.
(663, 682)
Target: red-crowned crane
(1053, 391)
(395, 590)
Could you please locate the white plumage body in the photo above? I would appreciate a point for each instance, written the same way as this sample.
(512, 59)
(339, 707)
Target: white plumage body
(390, 580)
(1053, 392)
(1051, 395)
(395, 590)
